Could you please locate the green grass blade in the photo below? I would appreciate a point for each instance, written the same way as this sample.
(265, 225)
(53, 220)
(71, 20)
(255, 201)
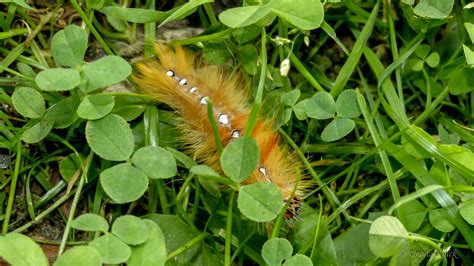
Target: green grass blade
(412, 196)
(400, 60)
(149, 30)
(75, 202)
(228, 230)
(362, 13)
(331, 33)
(3, 24)
(261, 83)
(396, 107)
(354, 56)
(11, 194)
(304, 71)
(382, 153)
(11, 57)
(13, 32)
(215, 127)
(424, 143)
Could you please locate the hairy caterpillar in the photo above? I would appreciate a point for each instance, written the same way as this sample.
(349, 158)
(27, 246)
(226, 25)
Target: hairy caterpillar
(178, 80)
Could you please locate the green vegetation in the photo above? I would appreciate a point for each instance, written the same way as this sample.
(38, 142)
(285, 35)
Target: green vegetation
(376, 99)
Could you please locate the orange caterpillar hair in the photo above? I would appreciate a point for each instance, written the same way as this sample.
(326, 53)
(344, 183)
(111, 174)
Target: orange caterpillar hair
(180, 82)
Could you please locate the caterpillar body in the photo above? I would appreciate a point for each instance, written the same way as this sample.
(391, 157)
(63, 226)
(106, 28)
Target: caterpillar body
(179, 80)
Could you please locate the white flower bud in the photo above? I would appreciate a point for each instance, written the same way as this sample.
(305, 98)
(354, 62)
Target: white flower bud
(285, 67)
(306, 40)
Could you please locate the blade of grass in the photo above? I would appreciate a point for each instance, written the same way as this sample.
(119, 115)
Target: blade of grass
(7, 129)
(215, 127)
(362, 13)
(51, 193)
(210, 13)
(5, 98)
(331, 33)
(16, 73)
(182, 11)
(278, 221)
(304, 71)
(38, 53)
(373, 105)
(150, 32)
(254, 255)
(424, 143)
(394, 50)
(241, 246)
(369, 204)
(45, 213)
(261, 83)
(228, 230)
(182, 199)
(11, 195)
(12, 32)
(10, 14)
(356, 53)
(204, 38)
(98, 197)
(29, 200)
(150, 120)
(428, 112)
(110, 34)
(187, 246)
(356, 198)
(75, 201)
(3, 23)
(26, 60)
(383, 155)
(316, 233)
(197, 199)
(341, 148)
(412, 196)
(395, 105)
(400, 60)
(11, 57)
